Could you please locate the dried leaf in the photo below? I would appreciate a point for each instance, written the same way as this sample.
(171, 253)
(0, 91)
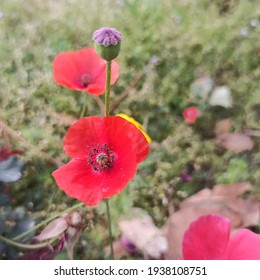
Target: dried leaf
(255, 133)
(231, 190)
(11, 169)
(201, 88)
(221, 96)
(222, 199)
(223, 127)
(250, 211)
(53, 229)
(236, 142)
(228, 198)
(145, 236)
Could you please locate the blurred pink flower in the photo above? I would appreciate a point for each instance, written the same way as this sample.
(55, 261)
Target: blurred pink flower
(67, 229)
(191, 114)
(208, 238)
(128, 245)
(46, 253)
(83, 70)
(186, 176)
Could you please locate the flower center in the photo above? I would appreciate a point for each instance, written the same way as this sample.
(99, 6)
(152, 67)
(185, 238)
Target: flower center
(101, 158)
(85, 80)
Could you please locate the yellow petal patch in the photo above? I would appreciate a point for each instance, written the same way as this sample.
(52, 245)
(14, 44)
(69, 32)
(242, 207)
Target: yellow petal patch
(137, 124)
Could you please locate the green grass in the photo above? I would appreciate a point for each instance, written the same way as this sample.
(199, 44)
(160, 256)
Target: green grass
(187, 37)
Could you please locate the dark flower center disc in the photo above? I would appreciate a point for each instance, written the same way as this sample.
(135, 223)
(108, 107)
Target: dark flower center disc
(85, 80)
(101, 158)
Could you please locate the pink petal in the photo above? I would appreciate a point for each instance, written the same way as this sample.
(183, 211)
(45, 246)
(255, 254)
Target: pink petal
(244, 245)
(73, 236)
(206, 238)
(69, 67)
(191, 114)
(53, 229)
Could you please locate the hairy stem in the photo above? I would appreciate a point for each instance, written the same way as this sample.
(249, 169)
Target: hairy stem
(110, 230)
(107, 100)
(107, 94)
(84, 106)
(27, 246)
(48, 220)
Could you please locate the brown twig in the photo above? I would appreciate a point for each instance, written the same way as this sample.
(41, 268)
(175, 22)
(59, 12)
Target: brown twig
(100, 104)
(4, 136)
(17, 136)
(124, 94)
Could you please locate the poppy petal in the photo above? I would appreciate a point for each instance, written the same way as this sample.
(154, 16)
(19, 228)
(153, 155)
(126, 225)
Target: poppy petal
(99, 83)
(124, 167)
(137, 124)
(90, 131)
(206, 238)
(90, 64)
(88, 59)
(75, 179)
(95, 89)
(140, 144)
(79, 180)
(191, 114)
(72, 67)
(244, 245)
(65, 70)
(84, 134)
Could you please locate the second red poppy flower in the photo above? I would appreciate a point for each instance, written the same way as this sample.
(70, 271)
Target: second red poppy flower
(83, 70)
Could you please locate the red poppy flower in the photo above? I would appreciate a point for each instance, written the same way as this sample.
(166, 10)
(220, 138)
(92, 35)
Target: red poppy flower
(208, 238)
(105, 153)
(83, 70)
(191, 114)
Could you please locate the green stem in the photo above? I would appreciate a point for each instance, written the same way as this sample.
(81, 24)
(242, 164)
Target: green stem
(27, 246)
(108, 81)
(110, 230)
(107, 100)
(83, 111)
(78, 205)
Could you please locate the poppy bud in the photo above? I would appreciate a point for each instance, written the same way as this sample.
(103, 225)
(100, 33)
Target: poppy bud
(107, 42)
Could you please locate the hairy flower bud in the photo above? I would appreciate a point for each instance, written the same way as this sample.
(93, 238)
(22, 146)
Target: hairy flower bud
(75, 218)
(107, 42)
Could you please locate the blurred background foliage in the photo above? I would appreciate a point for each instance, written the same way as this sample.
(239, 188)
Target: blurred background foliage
(166, 46)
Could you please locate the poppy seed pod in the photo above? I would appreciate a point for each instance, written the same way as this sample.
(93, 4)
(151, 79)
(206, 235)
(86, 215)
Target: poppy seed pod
(107, 42)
